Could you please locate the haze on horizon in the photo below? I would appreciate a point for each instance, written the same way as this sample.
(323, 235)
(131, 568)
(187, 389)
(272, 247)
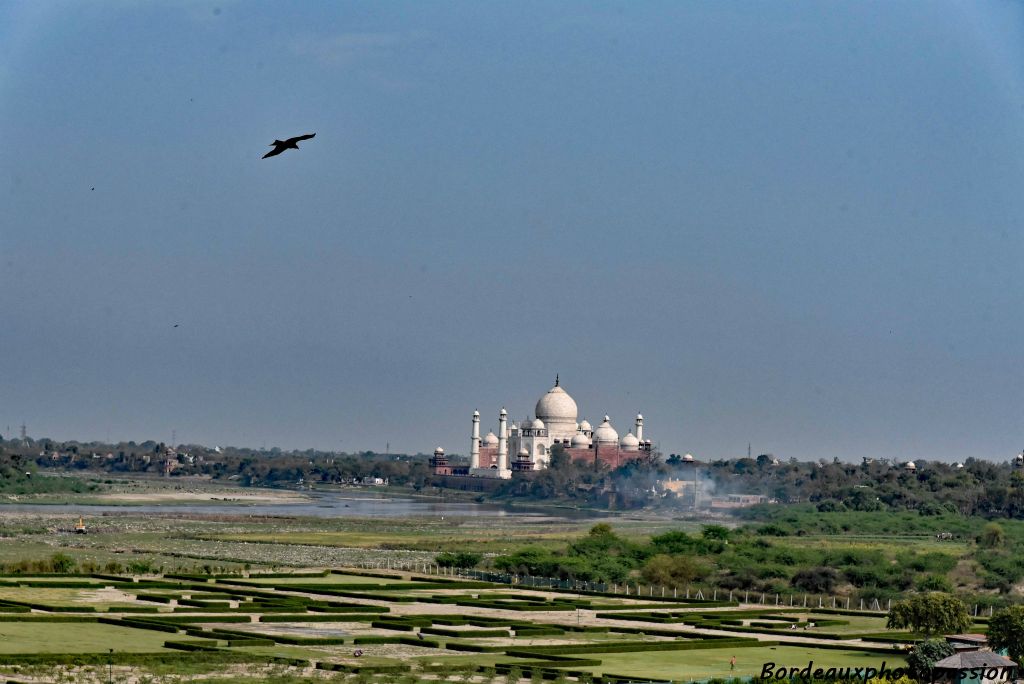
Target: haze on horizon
(793, 224)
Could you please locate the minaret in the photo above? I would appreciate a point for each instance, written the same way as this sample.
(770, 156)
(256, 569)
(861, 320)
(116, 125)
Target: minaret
(502, 441)
(474, 447)
(640, 428)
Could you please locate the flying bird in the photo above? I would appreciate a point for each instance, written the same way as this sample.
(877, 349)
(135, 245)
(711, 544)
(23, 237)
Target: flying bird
(289, 144)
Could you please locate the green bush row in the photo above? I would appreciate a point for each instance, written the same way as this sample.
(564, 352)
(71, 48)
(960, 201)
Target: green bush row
(539, 631)
(192, 645)
(363, 669)
(633, 646)
(465, 633)
(319, 617)
(131, 659)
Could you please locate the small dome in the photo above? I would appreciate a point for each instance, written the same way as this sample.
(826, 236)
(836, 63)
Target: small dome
(639, 416)
(438, 451)
(523, 453)
(629, 442)
(910, 465)
(537, 424)
(605, 433)
(688, 458)
(490, 439)
(585, 426)
(580, 441)
(958, 466)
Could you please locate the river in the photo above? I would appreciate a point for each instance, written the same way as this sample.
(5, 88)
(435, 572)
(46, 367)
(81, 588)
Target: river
(320, 505)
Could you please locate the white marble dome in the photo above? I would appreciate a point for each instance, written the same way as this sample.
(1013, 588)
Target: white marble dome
(605, 433)
(556, 405)
(580, 441)
(537, 424)
(490, 439)
(629, 442)
(586, 426)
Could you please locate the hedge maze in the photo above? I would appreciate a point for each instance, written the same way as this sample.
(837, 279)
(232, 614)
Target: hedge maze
(389, 624)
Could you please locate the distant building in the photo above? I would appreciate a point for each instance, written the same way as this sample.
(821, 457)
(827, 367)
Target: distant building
(521, 447)
(731, 501)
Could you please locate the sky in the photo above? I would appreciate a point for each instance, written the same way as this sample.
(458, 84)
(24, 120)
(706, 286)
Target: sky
(793, 225)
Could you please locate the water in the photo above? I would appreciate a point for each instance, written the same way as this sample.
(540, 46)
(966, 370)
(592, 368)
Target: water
(321, 505)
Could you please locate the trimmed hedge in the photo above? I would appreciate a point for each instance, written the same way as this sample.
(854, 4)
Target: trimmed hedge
(192, 645)
(539, 631)
(139, 623)
(318, 617)
(363, 669)
(21, 617)
(136, 659)
(634, 646)
(466, 633)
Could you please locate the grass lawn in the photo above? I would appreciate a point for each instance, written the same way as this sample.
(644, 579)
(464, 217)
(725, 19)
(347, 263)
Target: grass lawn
(98, 597)
(373, 654)
(327, 579)
(61, 578)
(714, 662)
(78, 637)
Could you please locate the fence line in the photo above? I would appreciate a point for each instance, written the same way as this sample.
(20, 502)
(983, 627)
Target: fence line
(639, 590)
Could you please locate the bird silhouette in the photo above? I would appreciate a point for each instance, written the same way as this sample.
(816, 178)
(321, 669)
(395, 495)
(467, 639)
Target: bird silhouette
(289, 144)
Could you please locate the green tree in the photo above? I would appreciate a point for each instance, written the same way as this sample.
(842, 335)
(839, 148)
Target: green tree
(63, 563)
(928, 614)
(1006, 630)
(672, 571)
(922, 658)
(458, 559)
(992, 536)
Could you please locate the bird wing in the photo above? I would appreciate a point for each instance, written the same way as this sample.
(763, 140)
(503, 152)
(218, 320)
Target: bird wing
(273, 152)
(301, 137)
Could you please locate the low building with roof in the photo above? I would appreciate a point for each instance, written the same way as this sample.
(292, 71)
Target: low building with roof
(974, 667)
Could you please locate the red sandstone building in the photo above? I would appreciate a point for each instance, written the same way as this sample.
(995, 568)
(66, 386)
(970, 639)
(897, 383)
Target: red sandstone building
(525, 446)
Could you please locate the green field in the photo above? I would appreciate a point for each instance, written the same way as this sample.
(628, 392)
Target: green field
(703, 664)
(100, 597)
(77, 637)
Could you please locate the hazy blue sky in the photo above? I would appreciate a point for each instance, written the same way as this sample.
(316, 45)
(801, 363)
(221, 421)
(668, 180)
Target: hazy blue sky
(796, 224)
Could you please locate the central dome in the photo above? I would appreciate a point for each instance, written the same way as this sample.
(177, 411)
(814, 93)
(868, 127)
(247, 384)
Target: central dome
(556, 405)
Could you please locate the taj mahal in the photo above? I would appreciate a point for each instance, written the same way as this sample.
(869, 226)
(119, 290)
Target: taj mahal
(526, 446)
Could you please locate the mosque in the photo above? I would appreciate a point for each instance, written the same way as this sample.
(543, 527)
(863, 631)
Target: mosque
(526, 446)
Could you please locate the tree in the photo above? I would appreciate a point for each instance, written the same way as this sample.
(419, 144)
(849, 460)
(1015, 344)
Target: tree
(930, 614)
(819, 580)
(458, 559)
(672, 571)
(992, 536)
(1006, 630)
(62, 563)
(922, 658)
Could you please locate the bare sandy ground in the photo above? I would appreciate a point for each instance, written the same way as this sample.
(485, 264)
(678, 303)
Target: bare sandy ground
(236, 495)
(104, 595)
